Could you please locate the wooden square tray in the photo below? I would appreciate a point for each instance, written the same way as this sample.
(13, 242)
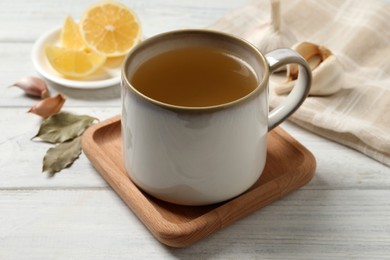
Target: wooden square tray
(289, 166)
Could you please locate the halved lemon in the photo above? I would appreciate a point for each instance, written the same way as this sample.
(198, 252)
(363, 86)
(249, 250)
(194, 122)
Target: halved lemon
(74, 63)
(110, 28)
(70, 35)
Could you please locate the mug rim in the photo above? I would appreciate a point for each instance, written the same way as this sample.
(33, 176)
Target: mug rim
(260, 86)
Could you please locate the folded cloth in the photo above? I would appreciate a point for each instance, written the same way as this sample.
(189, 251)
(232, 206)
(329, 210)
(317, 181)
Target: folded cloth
(358, 33)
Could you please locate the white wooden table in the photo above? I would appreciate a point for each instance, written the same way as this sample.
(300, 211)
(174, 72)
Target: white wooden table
(344, 212)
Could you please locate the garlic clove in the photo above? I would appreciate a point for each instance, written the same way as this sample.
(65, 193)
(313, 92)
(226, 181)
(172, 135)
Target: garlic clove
(326, 70)
(327, 77)
(308, 51)
(271, 36)
(48, 106)
(285, 87)
(33, 86)
(314, 61)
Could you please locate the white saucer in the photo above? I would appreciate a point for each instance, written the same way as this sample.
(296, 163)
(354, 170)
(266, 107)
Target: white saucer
(107, 76)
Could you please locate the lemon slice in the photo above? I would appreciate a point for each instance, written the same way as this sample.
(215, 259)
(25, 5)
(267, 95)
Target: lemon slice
(110, 28)
(70, 35)
(74, 63)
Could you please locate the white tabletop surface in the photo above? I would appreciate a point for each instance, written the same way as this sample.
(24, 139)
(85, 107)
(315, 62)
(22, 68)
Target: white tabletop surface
(344, 212)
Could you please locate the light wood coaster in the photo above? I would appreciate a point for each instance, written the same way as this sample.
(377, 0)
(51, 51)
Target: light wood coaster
(289, 166)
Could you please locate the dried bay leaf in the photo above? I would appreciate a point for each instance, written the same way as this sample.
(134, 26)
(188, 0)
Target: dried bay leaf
(63, 127)
(61, 156)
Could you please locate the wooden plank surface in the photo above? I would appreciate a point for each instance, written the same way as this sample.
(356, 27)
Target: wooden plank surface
(343, 213)
(94, 224)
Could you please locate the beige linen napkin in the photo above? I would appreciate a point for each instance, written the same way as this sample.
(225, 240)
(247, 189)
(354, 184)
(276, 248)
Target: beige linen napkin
(358, 33)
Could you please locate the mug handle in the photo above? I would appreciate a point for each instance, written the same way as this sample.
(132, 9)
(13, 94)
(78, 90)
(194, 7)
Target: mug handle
(276, 59)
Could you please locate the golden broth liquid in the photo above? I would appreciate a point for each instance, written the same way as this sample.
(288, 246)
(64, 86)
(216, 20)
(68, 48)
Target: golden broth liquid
(194, 77)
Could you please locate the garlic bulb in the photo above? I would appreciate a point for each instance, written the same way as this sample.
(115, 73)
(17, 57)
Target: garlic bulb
(271, 36)
(326, 70)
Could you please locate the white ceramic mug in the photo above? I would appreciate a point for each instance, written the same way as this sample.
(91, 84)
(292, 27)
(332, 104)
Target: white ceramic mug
(198, 156)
